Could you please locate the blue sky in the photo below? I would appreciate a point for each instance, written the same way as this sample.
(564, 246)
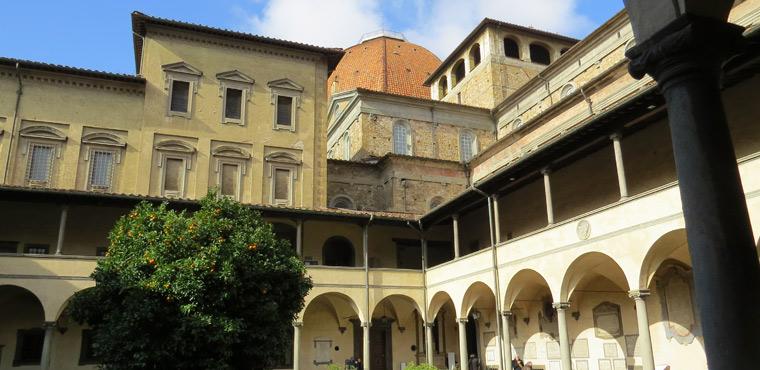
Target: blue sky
(97, 34)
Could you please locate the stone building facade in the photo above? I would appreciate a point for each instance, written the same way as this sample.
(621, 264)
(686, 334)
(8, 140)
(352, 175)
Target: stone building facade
(561, 239)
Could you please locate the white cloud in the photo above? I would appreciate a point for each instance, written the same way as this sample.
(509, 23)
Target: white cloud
(332, 23)
(438, 25)
(447, 22)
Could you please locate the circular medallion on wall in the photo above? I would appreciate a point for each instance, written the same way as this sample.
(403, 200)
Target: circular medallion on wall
(583, 230)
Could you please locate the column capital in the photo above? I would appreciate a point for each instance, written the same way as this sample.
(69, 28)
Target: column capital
(639, 294)
(546, 171)
(455, 217)
(561, 305)
(462, 320)
(365, 324)
(49, 324)
(616, 136)
(507, 314)
(297, 324)
(429, 324)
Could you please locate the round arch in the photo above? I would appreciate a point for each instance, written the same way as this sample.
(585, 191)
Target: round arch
(458, 72)
(540, 53)
(337, 304)
(22, 317)
(437, 301)
(474, 293)
(474, 56)
(588, 267)
(526, 283)
(671, 245)
(338, 251)
(399, 302)
(511, 47)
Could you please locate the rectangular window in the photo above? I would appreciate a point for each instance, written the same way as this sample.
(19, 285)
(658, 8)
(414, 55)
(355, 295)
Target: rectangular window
(29, 347)
(281, 186)
(284, 110)
(174, 169)
(87, 350)
(8, 246)
(30, 248)
(229, 177)
(40, 161)
(180, 98)
(101, 166)
(233, 103)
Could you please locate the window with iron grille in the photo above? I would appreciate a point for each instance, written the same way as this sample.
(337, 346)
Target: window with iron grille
(466, 145)
(31, 248)
(401, 139)
(101, 169)
(40, 163)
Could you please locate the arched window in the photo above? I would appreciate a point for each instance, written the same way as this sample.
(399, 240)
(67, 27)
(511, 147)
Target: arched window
(346, 146)
(443, 87)
(467, 145)
(436, 201)
(342, 201)
(511, 48)
(459, 72)
(474, 56)
(539, 54)
(402, 138)
(338, 251)
(567, 90)
(517, 123)
(285, 231)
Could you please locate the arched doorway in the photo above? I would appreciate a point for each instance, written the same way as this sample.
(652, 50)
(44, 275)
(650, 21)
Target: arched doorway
(479, 309)
(338, 251)
(443, 313)
(533, 323)
(21, 327)
(328, 333)
(396, 325)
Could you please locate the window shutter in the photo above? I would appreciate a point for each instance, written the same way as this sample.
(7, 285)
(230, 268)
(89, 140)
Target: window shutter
(233, 103)
(180, 96)
(281, 185)
(172, 174)
(284, 110)
(229, 178)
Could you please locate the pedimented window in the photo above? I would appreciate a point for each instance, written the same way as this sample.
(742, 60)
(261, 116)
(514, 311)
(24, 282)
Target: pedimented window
(174, 160)
(230, 167)
(235, 89)
(286, 99)
(181, 82)
(282, 172)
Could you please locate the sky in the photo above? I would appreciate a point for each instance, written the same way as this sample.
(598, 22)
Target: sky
(97, 34)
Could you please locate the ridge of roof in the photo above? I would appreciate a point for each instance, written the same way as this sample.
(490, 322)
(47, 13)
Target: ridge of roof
(140, 20)
(51, 67)
(492, 22)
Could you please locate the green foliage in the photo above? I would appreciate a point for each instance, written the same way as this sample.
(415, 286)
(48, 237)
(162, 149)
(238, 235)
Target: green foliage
(421, 367)
(212, 289)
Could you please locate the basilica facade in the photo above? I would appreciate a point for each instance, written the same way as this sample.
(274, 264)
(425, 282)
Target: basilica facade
(516, 199)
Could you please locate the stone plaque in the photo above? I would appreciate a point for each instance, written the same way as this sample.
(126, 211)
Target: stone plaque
(610, 350)
(322, 351)
(619, 364)
(554, 365)
(530, 350)
(552, 350)
(605, 364)
(581, 365)
(580, 348)
(632, 345)
(607, 321)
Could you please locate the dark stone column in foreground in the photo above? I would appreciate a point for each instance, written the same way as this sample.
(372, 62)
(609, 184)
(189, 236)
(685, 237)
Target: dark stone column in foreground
(685, 59)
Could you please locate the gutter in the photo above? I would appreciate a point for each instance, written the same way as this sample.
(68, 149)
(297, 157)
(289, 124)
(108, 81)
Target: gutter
(19, 92)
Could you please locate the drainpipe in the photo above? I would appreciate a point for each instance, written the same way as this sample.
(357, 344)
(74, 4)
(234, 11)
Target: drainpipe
(425, 320)
(546, 85)
(368, 322)
(588, 101)
(19, 92)
(495, 260)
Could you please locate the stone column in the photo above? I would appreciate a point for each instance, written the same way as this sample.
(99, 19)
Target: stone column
(299, 238)
(297, 345)
(507, 342)
(685, 58)
(564, 339)
(455, 226)
(463, 344)
(645, 340)
(548, 193)
(618, 148)
(429, 342)
(61, 230)
(47, 345)
(365, 345)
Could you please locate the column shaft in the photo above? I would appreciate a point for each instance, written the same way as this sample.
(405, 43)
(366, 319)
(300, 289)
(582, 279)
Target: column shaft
(496, 225)
(365, 346)
(645, 340)
(548, 195)
(47, 345)
(455, 226)
(618, 148)
(297, 345)
(429, 343)
(463, 344)
(61, 229)
(299, 238)
(507, 342)
(564, 339)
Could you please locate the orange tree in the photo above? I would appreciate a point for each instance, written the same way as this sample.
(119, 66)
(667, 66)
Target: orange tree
(211, 289)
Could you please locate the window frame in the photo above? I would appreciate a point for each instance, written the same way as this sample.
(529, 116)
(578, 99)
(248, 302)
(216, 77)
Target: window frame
(231, 155)
(346, 146)
(238, 180)
(284, 161)
(277, 124)
(29, 152)
(473, 145)
(340, 197)
(103, 142)
(90, 168)
(517, 47)
(239, 81)
(84, 358)
(20, 339)
(409, 142)
(291, 181)
(184, 72)
(183, 176)
(286, 88)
